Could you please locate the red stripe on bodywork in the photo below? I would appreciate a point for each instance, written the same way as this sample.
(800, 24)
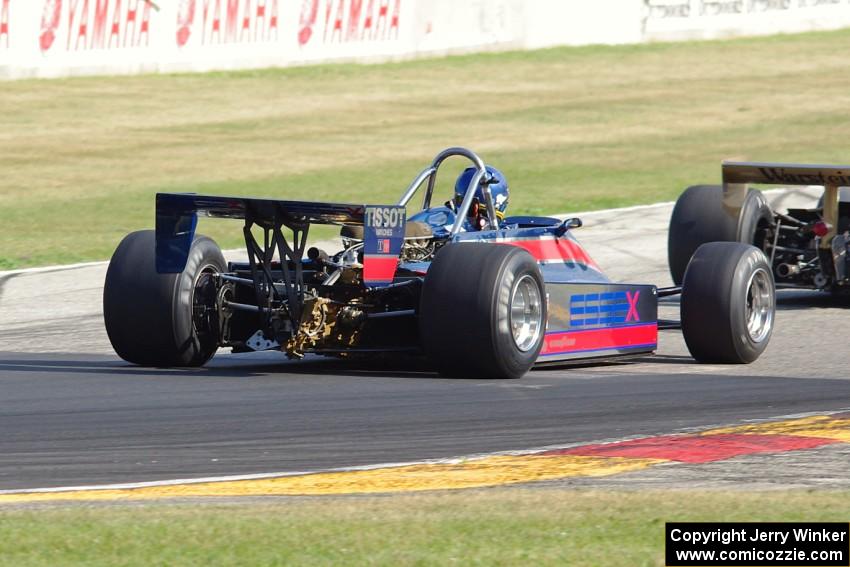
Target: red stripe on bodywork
(379, 268)
(562, 249)
(697, 448)
(600, 339)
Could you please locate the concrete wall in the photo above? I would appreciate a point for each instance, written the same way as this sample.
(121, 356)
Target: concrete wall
(51, 38)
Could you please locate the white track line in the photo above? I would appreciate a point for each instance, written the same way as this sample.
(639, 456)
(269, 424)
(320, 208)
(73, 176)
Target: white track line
(59, 267)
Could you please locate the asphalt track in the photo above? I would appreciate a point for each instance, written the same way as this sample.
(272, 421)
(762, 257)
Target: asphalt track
(88, 418)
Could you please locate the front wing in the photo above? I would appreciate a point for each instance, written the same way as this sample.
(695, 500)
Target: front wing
(589, 320)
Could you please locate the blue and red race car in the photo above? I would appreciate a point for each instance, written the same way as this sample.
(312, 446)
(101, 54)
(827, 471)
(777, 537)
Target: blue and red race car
(479, 293)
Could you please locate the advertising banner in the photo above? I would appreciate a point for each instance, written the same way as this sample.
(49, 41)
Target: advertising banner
(53, 38)
(707, 19)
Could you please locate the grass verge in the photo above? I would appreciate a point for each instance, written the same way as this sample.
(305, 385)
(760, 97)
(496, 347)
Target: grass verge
(491, 527)
(573, 128)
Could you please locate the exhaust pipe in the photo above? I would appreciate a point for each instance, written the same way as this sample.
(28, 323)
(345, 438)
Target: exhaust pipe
(787, 270)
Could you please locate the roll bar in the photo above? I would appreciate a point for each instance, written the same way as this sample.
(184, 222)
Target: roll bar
(430, 173)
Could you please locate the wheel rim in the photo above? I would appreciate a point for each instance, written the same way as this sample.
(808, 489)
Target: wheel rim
(526, 313)
(201, 322)
(759, 306)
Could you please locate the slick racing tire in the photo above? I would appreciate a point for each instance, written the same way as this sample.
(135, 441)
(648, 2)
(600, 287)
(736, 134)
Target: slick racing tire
(728, 303)
(149, 316)
(699, 217)
(755, 221)
(482, 313)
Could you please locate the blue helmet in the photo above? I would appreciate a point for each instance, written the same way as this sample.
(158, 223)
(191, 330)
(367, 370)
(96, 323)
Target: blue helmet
(498, 189)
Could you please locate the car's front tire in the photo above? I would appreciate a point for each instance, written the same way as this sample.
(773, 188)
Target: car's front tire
(728, 303)
(483, 311)
(150, 317)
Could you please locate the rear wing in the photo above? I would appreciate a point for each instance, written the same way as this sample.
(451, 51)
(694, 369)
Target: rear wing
(260, 211)
(785, 174)
(738, 175)
(177, 217)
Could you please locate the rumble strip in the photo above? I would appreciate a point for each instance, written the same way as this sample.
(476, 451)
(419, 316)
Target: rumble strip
(592, 460)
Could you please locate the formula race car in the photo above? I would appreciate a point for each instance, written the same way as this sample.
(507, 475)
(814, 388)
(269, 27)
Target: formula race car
(807, 248)
(480, 294)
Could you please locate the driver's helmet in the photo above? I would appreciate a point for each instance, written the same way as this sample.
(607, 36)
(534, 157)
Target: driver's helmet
(498, 190)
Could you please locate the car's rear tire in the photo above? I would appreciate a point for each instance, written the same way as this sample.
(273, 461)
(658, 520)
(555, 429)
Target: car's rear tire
(699, 217)
(755, 221)
(728, 303)
(483, 312)
(150, 316)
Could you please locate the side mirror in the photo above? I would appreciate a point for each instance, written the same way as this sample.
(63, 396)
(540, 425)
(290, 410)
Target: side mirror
(568, 224)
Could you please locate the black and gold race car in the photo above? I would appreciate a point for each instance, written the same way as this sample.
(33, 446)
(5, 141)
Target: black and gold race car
(807, 247)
